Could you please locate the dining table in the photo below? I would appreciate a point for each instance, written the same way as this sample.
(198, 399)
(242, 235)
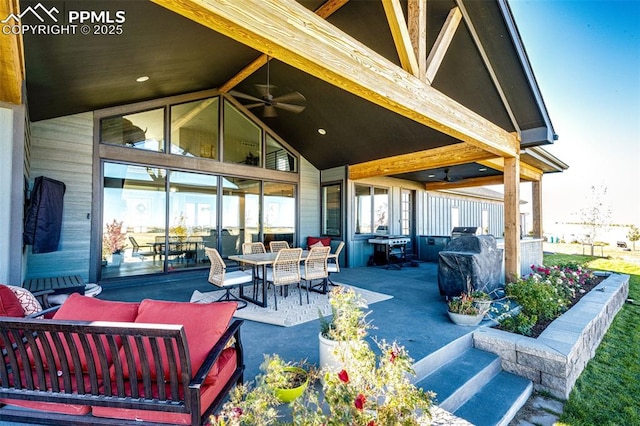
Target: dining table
(259, 262)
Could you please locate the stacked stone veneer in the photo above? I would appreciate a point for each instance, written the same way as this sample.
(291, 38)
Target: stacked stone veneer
(556, 358)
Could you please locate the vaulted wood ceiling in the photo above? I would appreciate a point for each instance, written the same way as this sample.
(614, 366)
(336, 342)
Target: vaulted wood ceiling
(370, 108)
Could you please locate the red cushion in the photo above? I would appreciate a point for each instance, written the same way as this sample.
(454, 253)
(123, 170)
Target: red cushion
(10, 306)
(83, 308)
(227, 365)
(203, 323)
(326, 241)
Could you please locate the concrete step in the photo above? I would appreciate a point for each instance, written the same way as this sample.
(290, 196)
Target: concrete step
(497, 403)
(461, 378)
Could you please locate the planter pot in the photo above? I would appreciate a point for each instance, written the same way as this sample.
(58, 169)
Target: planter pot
(116, 259)
(466, 320)
(483, 305)
(328, 360)
(288, 395)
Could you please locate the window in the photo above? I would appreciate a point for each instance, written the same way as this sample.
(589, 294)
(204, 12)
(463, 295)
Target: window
(278, 158)
(332, 210)
(406, 210)
(194, 128)
(371, 209)
(242, 140)
(142, 130)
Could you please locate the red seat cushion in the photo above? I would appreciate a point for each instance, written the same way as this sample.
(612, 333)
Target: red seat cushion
(203, 324)
(208, 392)
(84, 308)
(10, 306)
(325, 241)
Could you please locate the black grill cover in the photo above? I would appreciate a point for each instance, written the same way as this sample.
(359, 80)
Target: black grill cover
(469, 263)
(43, 222)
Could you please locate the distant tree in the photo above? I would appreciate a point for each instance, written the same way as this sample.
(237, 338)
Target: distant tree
(633, 235)
(596, 217)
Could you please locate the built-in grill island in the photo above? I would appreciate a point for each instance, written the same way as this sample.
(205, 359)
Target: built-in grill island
(469, 262)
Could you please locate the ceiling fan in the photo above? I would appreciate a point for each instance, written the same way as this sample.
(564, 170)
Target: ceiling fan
(449, 178)
(292, 101)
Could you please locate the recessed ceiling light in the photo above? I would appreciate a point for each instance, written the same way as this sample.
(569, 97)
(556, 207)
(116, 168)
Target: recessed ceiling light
(483, 169)
(142, 78)
(431, 176)
(322, 131)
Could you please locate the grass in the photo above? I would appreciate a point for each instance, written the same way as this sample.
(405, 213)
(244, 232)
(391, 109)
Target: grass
(607, 391)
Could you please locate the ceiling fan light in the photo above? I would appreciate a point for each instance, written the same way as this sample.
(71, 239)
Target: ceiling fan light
(269, 111)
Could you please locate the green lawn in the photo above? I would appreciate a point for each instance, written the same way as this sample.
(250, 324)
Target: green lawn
(608, 391)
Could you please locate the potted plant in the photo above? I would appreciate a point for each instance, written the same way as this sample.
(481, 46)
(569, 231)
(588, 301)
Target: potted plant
(347, 325)
(463, 311)
(113, 241)
(287, 380)
(481, 300)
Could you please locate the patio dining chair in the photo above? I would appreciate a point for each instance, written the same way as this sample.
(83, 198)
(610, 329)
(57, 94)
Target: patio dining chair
(333, 262)
(219, 277)
(276, 246)
(285, 271)
(136, 252)
(254, 248)
(315, 268)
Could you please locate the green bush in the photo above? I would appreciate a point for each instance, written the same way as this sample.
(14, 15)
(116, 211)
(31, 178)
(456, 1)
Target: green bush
(521, 324)
(537, 298)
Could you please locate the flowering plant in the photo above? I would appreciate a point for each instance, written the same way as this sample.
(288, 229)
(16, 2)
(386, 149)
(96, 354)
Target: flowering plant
(463, 305)
(113, 238)
(372, 388)
(348, 320)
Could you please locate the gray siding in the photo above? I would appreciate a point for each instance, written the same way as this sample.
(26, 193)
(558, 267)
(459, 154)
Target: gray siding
(438, 220)
(62, 149)
(309, 202)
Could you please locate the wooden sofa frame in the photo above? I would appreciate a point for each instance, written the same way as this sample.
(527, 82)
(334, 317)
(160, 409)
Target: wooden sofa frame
(104, 381)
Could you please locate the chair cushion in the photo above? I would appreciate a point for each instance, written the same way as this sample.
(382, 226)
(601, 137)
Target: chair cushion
(236, 278)
(10, 305)
(203, 324)
(326, 241)
(30, 304)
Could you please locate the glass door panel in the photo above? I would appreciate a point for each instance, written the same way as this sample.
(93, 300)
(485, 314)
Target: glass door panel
(279, 215)
(240, 214)
(134, 217)
(192, 219)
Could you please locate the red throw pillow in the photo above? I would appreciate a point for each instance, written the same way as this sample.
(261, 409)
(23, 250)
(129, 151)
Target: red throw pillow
(10, 306)
(204, 324)
(325, 241)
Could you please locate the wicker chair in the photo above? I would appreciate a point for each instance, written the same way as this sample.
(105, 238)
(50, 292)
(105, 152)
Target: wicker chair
(285, 271)
(218, 276)
(315, 268)
(253, 248)
(276, 246)
(333, 262)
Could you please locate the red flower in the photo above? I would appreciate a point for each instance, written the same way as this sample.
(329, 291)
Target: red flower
(236, 412)
(394, 355)
(371, 423)
(343, 376)
(359, 402)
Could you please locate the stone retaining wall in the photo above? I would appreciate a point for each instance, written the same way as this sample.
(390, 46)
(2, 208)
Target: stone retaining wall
(556, 358)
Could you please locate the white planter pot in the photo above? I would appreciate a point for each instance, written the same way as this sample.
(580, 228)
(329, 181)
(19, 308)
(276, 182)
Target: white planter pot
(483, 305)
(116, 259)
(466, 320)
(327, 358)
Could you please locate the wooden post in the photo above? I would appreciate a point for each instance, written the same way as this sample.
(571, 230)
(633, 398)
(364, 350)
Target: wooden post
(536, 201)
(511, 218)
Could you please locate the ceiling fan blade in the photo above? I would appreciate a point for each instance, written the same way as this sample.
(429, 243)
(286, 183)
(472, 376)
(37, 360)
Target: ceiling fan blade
(264, 90)
(293, 97)
(244, 96)
(249, 106)
(269, 111)
(290, 107)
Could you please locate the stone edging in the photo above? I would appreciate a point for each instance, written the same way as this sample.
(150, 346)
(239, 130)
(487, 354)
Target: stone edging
(556, 358)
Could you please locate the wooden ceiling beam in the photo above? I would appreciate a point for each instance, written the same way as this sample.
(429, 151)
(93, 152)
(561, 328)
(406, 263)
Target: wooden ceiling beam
(401, 38)
(450, 155)
(324, 11)
(527, 172)
(11, 58)
(417, 23)
(465, 183)
(285, 30)
(441, 46)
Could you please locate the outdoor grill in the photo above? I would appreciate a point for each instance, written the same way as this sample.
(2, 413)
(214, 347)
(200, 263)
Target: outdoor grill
(469, 263)
(463, 231)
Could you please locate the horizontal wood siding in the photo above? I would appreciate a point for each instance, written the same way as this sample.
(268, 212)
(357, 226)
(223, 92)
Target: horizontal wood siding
(309, 202)
(62, 149)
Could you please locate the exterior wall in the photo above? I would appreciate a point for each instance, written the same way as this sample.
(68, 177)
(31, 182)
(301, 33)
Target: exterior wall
(6, 181)
(62, 149)
(437, 210)
(308, 202)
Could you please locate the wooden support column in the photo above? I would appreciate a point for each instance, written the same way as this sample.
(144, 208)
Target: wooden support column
(11, 58)
(536, 205)
(511, 218)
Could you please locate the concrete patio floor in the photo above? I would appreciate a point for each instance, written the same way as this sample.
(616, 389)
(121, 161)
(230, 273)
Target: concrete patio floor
(415, 317)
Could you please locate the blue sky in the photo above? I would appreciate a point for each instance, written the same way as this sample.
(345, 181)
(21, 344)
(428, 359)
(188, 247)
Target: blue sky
(586, 58)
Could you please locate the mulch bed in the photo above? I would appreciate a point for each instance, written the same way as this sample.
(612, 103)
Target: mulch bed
(541, 325)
